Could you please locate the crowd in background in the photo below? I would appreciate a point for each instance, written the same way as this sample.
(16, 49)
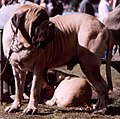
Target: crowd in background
(59, 6)
(55, 7)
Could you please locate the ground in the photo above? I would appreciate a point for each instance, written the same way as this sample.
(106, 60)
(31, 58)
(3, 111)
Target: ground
(46, 112)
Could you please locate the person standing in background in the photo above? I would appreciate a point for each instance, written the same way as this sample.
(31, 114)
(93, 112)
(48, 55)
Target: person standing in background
(75, 5)
(86, 6)
(52, 7)
(8, 8)
(104, 8)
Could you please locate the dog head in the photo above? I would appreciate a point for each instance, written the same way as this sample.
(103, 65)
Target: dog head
(26, 18)
(44, 33)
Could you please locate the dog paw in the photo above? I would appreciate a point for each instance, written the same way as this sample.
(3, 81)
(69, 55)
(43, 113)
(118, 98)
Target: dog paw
(101, 111)
(30, 110)
(13, 108)
(101, 105)
(49, 103)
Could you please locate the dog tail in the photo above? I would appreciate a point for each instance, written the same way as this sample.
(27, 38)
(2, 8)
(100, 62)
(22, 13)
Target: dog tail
(110, 44)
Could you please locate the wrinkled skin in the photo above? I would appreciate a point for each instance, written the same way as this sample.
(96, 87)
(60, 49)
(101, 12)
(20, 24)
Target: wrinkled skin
(78, 36)
(72, 91)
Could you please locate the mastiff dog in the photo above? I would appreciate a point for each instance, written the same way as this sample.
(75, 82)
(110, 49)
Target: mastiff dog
(34, 42)
(72, 91)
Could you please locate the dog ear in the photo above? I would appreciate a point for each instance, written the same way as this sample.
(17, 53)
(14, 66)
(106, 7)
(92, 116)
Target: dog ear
(41, 17)
(17, 19)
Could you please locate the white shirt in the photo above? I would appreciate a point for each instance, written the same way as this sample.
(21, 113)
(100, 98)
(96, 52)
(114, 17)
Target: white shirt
(7, 11)
(103, 9)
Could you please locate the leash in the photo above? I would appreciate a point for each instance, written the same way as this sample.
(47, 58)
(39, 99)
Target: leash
(10, 51)
(4, 68)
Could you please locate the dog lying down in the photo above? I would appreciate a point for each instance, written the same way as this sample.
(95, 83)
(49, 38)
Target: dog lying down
(72, 91)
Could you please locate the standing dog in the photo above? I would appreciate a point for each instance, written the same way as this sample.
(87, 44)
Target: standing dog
(38, 44)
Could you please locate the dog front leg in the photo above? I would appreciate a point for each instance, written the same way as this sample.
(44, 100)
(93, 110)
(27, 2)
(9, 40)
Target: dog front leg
(19, 78)
(34, 94)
